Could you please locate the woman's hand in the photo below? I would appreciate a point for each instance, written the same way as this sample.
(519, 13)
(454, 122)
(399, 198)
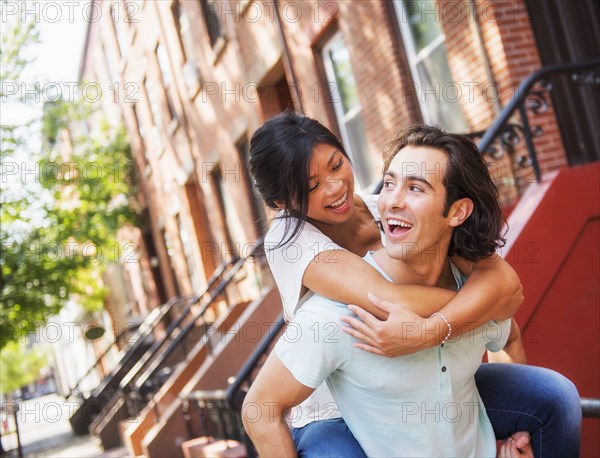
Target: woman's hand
(517, 445)
(402, 333)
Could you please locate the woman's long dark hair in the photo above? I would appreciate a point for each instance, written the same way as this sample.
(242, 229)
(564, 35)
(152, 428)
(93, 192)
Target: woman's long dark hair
(280, 152)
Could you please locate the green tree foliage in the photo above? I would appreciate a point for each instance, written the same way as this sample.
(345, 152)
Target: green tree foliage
(20, 365)
(58, 231)
(91, 181)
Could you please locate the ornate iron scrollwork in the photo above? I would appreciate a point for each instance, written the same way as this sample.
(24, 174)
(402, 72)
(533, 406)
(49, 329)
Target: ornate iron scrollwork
(537, 100)
(591, 78)
(505, 142)
(532, 98)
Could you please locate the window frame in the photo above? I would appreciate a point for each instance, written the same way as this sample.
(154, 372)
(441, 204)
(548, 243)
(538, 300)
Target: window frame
(216, 42)
(415, 58)
(166, 78)
(190, 70)
(343, 118)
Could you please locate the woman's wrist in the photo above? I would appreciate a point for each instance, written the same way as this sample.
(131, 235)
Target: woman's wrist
(437, 330)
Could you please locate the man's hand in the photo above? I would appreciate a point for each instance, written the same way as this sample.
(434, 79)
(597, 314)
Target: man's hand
(402, 333)
(517, 445)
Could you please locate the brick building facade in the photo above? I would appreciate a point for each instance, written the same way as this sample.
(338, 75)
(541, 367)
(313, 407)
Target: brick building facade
(193, 79)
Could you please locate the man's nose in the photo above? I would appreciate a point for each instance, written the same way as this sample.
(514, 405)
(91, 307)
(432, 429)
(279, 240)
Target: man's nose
(396, 199)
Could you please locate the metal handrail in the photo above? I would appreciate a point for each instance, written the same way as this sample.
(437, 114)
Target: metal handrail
(111, 383)
(152, 368)
(172, 326)
(175, 324)
(517, 101)
(229, 399)
(590, 407)
(102, 355)
(246, 371)
(497, 128)
(142, 333)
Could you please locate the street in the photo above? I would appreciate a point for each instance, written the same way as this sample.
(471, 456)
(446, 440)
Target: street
(45, 432)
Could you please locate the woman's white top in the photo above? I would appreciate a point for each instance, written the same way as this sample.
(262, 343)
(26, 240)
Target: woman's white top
(288, 263)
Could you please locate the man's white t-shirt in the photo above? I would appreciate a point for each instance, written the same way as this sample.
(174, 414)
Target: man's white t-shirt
(424, 404)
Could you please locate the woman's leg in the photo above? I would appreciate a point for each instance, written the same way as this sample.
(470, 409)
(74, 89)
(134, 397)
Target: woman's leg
(534, 399)
(327, 439)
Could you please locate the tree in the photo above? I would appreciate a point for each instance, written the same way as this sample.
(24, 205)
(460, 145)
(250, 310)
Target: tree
(20, 365)
(14, 199)
(58, 233)
(92, 191)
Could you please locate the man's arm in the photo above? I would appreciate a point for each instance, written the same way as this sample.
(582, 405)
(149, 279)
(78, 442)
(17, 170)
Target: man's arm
(274, 391)
(513, 351)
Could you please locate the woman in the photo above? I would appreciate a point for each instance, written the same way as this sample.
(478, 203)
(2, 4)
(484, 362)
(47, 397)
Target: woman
(316, 244)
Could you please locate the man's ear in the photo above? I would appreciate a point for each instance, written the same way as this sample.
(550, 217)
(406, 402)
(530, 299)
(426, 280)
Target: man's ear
(460, 211)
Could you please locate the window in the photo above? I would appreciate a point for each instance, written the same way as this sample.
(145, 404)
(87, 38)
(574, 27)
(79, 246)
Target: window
(210, 13)
(171, 254)
(154, 262)
(424, 42)
(167, 81)
(190, 71)
(348, 111)
(139, 125)
(217, 184)
(136, 118)
(154, 108)
(189, 256)
(116, 17)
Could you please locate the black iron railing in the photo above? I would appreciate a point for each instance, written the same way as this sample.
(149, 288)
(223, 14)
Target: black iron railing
(154, 367)
(128, 331)
(138, 385)
(140, 332)
(142, 341)
(590, 407)
(220, 410)
(532, 97)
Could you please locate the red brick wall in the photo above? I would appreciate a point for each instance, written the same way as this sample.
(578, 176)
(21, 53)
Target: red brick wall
(371, 36)
(467, 64)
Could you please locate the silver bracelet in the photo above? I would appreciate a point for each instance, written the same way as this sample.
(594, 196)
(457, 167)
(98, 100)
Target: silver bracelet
(447, 324)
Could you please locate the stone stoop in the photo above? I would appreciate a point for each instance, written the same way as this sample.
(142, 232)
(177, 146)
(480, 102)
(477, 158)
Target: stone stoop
(207, 447)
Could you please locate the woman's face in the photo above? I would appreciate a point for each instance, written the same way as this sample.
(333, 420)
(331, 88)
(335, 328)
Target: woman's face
(331, 186)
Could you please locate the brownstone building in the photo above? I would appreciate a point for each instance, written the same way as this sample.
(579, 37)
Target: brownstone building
(192, 80)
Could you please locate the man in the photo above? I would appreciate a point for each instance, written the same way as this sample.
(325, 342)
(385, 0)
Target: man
(437, 200)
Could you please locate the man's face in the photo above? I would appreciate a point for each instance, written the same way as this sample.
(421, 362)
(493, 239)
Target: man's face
(411, 205)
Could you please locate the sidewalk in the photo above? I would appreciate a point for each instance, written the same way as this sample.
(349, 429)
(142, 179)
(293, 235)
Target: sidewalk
(45, 432)
(73, 447)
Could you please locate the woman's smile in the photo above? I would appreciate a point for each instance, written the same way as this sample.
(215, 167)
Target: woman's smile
(341, 205)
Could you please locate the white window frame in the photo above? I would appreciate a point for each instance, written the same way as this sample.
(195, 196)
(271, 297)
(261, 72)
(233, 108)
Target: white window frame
(414, 58)
(342, 118)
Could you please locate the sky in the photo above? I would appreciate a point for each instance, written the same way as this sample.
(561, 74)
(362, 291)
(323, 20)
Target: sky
(54, 64)
(62, 25)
